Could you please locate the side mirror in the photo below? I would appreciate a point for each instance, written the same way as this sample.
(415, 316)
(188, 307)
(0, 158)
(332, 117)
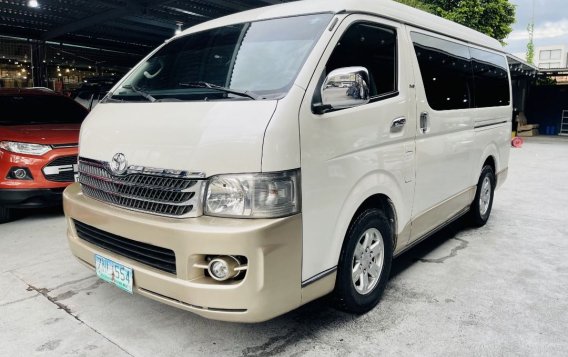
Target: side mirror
(345, 88)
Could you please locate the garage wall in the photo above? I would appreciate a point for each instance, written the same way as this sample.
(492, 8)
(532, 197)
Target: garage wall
(545, 105)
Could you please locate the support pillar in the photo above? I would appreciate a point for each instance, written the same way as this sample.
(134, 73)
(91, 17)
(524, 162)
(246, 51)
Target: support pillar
(39, 64)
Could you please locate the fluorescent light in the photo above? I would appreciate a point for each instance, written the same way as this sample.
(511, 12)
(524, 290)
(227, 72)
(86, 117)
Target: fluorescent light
(33, 3)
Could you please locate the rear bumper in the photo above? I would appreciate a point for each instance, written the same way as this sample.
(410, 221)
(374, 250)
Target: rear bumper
(273, 247)
(33, 198)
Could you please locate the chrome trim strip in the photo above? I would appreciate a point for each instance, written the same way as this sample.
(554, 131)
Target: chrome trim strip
(170, 193)
(319, 276)
(136, 169)
(64, 146)
(488, 125)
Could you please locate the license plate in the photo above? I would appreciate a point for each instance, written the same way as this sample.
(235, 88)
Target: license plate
(114, 273)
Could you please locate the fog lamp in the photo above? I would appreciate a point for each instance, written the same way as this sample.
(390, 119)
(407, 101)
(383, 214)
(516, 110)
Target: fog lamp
(223, 268)
(19, 173)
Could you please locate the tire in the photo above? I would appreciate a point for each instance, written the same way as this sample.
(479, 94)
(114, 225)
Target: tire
(481, 206)
(5, 215)
(351, 294)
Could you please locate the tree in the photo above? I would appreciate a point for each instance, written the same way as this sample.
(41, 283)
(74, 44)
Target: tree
(491, 17)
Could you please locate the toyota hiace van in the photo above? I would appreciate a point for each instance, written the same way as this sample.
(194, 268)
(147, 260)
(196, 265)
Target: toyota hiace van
(262, 160)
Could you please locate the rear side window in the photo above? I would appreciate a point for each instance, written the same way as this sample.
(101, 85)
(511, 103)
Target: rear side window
(491, 79)
(446, 72)
(373, 47)
(456, 76)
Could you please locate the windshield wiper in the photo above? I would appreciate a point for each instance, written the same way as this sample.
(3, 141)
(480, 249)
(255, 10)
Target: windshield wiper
(137, 90)
(219, 88)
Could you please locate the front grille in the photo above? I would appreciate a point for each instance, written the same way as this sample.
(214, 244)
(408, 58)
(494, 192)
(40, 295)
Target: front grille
(61, 169)
(157, 193)
(151, 255)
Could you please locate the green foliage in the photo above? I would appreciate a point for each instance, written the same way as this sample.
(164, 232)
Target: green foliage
(491, 17)
(417, 4)
(546, 81)
(530, 44)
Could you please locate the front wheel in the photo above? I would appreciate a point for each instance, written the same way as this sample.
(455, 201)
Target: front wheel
(365, 262)
(5, 215)
(480, 209)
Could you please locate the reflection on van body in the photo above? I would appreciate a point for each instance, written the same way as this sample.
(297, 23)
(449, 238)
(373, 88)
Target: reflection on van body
(260, 161)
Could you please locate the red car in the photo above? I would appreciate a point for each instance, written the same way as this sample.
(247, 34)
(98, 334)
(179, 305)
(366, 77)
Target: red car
(39, 135)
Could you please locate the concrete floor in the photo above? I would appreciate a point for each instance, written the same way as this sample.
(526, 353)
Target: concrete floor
(498, 290)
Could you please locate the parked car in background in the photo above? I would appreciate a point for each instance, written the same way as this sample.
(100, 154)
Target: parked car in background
(39, 134)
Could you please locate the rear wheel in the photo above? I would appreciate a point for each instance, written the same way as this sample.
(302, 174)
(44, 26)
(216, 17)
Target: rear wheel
(5, 215)
(483, 203)
(365, 262)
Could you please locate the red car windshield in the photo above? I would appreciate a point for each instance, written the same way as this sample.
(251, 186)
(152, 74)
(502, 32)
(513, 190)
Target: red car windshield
(35, 109)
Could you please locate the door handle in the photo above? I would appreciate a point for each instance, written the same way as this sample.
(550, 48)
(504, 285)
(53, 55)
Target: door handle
(398, 124)
(424, 122)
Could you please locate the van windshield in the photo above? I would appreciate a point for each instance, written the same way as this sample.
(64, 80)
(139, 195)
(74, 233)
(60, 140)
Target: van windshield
(255, 60)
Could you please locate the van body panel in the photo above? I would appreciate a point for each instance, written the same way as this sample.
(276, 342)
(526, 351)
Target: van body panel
(281, 147)
(450, 152)
(444, 157)
(350, 155)
(210, 137)
(387, 9)
(270, 287)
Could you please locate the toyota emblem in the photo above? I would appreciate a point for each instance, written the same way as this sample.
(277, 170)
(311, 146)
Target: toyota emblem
(118, 164)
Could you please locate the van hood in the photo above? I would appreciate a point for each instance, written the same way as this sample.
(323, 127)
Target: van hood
(208, 137)
(49, 134)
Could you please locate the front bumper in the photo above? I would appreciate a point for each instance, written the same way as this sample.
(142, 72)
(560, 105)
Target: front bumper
(273, 247)
(33, 198)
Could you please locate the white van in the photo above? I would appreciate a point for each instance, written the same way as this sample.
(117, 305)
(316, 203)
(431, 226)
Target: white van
(262, 160)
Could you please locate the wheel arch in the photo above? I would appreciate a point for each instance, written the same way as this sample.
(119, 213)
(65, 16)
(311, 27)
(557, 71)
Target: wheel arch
(376, 190)
(490, 157)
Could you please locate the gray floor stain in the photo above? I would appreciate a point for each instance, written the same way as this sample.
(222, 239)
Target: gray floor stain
(19, 300)
(52, 320)
(274, 345)
(463, 244)
(49, 346)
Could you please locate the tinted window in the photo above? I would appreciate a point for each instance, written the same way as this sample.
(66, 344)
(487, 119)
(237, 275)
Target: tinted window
(372, 47)
(262, 57)
(446, 72)
(32, 109)
(491, 79)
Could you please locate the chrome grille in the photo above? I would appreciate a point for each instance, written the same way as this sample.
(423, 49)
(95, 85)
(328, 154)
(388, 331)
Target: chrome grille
(162, 192)
(61, 169)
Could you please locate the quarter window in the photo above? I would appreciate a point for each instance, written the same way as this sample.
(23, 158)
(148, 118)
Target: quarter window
(446, 72)
(491, 79)
(456, 76)
(373, 47)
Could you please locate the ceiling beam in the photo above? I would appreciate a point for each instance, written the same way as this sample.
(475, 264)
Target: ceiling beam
(272, 2)
(131, 7)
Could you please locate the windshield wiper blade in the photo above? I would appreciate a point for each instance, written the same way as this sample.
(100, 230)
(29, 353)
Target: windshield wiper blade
(219, 88)
(137, 90)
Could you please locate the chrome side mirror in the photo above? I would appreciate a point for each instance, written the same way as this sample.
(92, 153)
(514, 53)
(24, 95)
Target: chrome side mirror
(346, 88)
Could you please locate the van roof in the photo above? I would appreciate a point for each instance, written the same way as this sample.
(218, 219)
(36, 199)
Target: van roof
(383, 8)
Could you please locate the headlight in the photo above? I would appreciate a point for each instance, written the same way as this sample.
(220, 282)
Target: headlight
(24, 148)
(269, 195)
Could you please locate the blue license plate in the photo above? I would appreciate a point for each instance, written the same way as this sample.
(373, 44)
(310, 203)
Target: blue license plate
(114, 273)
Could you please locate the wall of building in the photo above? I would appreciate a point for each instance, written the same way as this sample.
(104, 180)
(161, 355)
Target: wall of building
(551, 56)
(545, 105)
